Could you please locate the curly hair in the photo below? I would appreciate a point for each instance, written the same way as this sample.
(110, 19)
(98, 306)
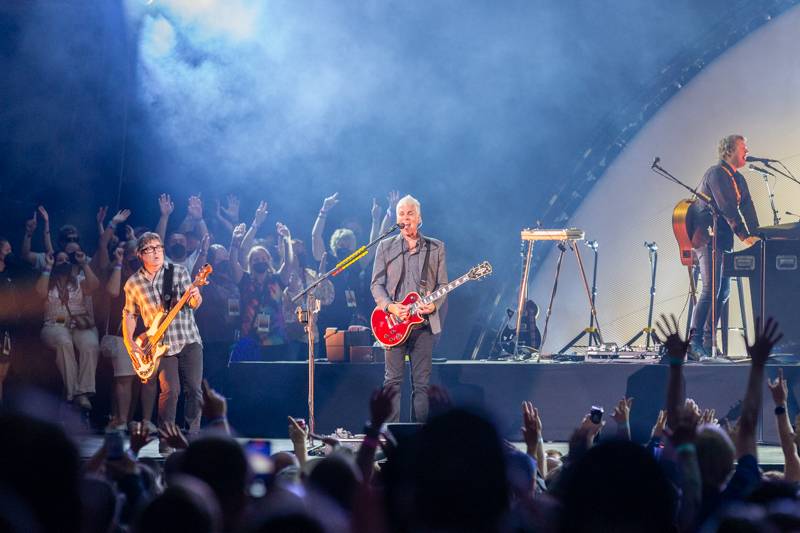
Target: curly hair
(728, 144)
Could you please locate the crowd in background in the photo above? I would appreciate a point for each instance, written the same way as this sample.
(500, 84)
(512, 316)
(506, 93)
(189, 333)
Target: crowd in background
(65, 292)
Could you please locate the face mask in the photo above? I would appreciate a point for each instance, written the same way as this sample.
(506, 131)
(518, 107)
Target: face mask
(177, 250)
(62, 270)
(134, 264)
(260, 268)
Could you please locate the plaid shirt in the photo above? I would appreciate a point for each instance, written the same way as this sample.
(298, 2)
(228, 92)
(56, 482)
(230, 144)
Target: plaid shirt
(143, 298)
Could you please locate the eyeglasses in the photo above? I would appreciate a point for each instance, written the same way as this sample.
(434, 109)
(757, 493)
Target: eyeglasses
(152, 249)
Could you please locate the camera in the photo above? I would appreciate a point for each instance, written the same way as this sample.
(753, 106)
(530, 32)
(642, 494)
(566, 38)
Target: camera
(596, 414)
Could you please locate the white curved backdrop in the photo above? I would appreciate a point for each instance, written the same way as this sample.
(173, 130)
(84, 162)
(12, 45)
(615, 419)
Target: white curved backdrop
(752, 89)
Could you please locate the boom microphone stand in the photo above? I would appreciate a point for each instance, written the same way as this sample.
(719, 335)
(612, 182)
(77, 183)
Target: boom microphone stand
(652, 252)
(312, 306)
(658, 169)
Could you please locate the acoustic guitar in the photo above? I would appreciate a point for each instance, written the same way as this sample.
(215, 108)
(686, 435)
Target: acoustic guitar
(691, 223)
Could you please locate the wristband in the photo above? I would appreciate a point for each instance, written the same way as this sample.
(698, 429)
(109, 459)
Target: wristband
(686, 447)
(780, 410)
(117, 267)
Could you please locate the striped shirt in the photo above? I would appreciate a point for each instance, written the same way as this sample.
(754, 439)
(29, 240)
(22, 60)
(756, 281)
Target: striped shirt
(143, 298)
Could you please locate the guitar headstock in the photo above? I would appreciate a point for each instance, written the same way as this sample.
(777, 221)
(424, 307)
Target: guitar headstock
(480, 271)
(202, 275)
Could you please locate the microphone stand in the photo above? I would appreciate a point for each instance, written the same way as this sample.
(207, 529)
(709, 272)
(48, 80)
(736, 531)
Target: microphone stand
(658, 169)
(313, 305)
(787, 174)
(764, 174)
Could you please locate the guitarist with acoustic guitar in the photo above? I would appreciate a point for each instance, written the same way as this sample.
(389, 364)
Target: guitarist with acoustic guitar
(410, 263)
(727, 189)
(146, 297)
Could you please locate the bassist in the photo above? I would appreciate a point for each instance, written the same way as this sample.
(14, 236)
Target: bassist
(145, 297)
(407, 263)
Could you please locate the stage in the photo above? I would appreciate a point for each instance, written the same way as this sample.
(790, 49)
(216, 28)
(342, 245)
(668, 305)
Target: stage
(262, 394)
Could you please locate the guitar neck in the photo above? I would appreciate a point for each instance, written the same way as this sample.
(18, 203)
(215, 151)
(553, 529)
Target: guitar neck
(162, 328)
(444, 289)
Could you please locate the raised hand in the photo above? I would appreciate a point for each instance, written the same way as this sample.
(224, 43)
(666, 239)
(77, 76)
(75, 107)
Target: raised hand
(130, 234)
(119, 255)
(329, 202)
(195, 208)
(140, 436)
(30, 225)
(121, 216)
(393, 197)
(376, 210)
(709, 417)
(239, 232)
(282, 230)
(622, 411)
(380, 406)
(101, 214)
(298, 431)
(232, 211)
(686, 428)
(261, 213)
(205, 242)
(49, 261)
(214, 404)
(766, 337)
(778, 388)
(671, 339)
(531, 426)
(45, 215)
(165, 205)
(173, 436)
(658, 428)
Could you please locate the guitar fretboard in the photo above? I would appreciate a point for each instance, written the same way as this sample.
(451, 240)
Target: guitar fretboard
(444, 289)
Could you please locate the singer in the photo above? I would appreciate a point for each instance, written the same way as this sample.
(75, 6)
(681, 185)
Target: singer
(404, 263)
(727, 189)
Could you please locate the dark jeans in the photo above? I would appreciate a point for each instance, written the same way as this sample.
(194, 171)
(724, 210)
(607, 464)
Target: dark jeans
(184, 368)
(701, 320)
(419, 348)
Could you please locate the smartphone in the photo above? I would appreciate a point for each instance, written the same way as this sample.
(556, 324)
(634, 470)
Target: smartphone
(258, 457)
(596, 414)
(115, 445)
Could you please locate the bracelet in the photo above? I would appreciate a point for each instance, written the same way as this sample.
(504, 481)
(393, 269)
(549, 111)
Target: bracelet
(117, 267)
(780, 410)
(686, 447)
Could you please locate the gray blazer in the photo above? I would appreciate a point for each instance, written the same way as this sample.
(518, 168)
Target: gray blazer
(388, 267)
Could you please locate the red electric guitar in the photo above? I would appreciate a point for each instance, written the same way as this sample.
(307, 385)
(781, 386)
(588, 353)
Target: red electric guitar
(391, 331)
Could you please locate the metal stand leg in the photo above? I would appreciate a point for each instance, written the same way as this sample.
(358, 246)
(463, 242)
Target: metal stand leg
(590, 330)
(562, 248)
(523, 293)
(648, 330)
(693, 274)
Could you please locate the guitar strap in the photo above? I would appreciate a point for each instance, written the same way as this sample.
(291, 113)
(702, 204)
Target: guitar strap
(423, 281)
(166, 287)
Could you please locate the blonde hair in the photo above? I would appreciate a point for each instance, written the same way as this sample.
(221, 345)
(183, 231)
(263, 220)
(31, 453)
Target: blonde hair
(728, 144)
(259, 248)
(338, 235)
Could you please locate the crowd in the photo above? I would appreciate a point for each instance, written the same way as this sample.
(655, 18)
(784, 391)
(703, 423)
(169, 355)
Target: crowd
(454, 474)
(68, 292)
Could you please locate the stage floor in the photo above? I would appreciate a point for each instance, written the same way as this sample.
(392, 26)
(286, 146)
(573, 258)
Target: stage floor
(262, 394)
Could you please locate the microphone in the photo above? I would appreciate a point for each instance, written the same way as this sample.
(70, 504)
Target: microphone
(760, 169)
(651, 245)
(400, 225)
(753, 159)
(656, 161)
(591, 244)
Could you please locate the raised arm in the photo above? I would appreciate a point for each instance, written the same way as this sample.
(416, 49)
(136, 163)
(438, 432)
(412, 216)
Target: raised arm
(258, 219)
(765, 338)
(114, 283)
(779, 392)
(380, 407)
(236, 252)
(391, 212)
(43, 283)
(317, 242)
(48, 242)
(165, 207)
(622, 416)
(532, 434)
(25, 249)
(92, 283)
(288, 260)
(676, 349)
